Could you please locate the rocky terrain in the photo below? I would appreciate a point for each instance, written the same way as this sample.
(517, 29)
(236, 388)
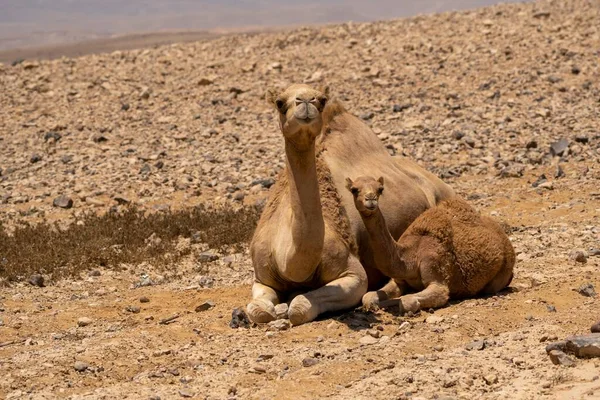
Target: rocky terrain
(502, 102)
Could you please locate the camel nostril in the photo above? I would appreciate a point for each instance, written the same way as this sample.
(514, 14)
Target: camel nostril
(299, 101)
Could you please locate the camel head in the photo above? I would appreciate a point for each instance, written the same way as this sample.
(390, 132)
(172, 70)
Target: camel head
(300, 109)
(366, 192)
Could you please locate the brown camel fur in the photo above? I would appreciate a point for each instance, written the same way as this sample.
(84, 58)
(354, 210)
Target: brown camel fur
(310, 247)
(448, 252)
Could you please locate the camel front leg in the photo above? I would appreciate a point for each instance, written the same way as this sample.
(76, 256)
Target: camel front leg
(262, 307)
(433, 296)
(391, 290)
(339, 294)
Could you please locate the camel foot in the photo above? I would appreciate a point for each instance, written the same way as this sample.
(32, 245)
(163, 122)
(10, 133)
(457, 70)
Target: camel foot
(302, 311)
(408, 303)
(370, 301)
(261, 311)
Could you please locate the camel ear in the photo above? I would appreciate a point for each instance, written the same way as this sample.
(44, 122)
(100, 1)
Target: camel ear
(349, 184)
(380, 180)
(324, 89)
(271, 96)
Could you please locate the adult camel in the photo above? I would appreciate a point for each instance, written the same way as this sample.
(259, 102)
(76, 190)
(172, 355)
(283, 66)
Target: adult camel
(310, 247)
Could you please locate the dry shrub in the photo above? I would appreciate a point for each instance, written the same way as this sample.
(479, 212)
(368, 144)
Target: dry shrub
(118, 237)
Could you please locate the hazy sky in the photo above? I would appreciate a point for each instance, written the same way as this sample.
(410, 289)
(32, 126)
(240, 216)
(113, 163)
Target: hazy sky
(53, 21)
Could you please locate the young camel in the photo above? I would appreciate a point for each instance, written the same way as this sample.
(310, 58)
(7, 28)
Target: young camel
(448, 252)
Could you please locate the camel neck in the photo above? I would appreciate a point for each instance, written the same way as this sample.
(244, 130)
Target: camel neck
(384, 247)
(307, 225)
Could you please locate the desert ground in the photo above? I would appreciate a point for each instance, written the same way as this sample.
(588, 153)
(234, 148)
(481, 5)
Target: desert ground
(502, 102)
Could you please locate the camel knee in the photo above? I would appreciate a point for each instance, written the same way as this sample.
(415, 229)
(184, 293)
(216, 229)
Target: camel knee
(499, 282)
(261, 311)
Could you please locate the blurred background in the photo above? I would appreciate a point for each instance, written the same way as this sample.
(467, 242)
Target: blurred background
(38, 23)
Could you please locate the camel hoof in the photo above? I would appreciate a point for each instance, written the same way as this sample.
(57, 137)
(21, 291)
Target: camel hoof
(301, 311)
(261, 311)
(409, 304)
(370, 301)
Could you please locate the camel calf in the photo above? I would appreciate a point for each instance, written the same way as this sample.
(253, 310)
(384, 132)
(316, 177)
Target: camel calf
(448, 252)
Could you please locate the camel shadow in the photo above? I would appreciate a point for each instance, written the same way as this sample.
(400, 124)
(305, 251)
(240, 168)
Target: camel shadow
(357, 319)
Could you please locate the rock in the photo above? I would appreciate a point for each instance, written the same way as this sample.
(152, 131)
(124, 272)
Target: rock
(63, 202)
(559, 148)
(35, 158)
(279, 325)
(207, 305)
(52, 135)
(594, 252)
(476, 345)
(206, 281)
(99, 138)
(491, 379)
(239, 319)
(81, 366)
(375, 333)
(145, 93)
(205, 82)
(532, 144)
(84, 321)
(94, 273)
(434, 319)
(578, 256)
(239, 196)
(207, 257)
(367, 340)
(559, 358)
(469, 141)
(582, 139)
(309, 362)
(144, 299)
(584, 346)
(550, 308)
(367, 116)
(401, 107)
(258, 369)
(36, 280)
(596, 327)
(559, 172)
(133, 309)
(186, 393)
(587, 289)
(281, 310)
(542, 179)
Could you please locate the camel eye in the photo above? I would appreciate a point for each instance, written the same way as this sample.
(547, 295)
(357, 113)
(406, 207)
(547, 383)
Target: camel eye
(354, 190)
(279, 103)
(323, 101)
(379, 191)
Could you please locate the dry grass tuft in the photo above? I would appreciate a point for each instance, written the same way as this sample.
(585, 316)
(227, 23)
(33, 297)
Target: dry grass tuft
(118, 237)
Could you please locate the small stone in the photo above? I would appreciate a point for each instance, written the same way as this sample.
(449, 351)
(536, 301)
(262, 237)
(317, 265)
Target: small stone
(279, 325)
(532, 144)
(144, 299)
(367, 116)
(207, 305)
(35, 158)
(264, 357)
(587, 289)
(582, 139)
(401, 107)
(559, 148)
(145, 93)
(133, 309)
(52, 135)
(559, 173)
(257, 369)
(186, 393)
(84, 321)
(438, 348)
(490, 379)
(80, 366)
(309, 362)
(36, 280)
(63, 202)
(205, 82)
(99, 138)
(375, 333)
(239, 196)
(596, 327)
(207, 257)
(476, 345)
(367, 340)
(94, 273)
(542, 179)
(434, 319)
(578, 256)
(559, 358)
(125, 107)
(239, 319)
(281, 310)
(550, 308)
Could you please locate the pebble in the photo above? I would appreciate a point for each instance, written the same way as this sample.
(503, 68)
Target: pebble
(80, 366)
(560, 358)
(596, 327)
(239, 319)
(84, 321)
(558, 148)
(207, 305)
(207, 257)
(133, 309)
(186, 393)
(367, 340)
(279, 325)
(144, 299)
(434, 319)
(584, 346)
(63, 202)
(36, 280)
(35, 158)
(587, 289)
(490, 379)
(257, 369)
(476, 345)
(578, 256)
(309, 362)
(281, 311)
